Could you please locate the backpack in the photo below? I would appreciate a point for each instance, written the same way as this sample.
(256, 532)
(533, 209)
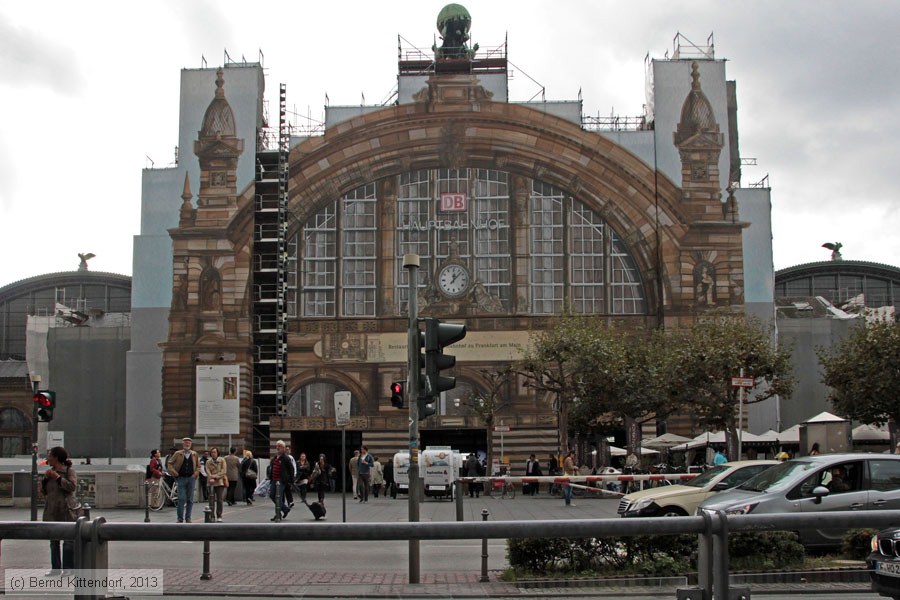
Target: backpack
(148, 473)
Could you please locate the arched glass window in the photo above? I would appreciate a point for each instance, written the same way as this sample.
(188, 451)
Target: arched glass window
(317, 400)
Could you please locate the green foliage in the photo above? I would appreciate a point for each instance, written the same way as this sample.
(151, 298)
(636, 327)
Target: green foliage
(863, 373)
(764, 550)
(856, 544)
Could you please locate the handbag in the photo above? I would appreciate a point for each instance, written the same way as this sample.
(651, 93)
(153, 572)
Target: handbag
(73, 504)
(251, 473)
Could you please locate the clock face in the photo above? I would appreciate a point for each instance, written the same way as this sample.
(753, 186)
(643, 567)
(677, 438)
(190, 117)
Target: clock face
(453, 280)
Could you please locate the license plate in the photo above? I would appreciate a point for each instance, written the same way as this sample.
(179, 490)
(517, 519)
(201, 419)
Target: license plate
(437, 487)
(888, 568)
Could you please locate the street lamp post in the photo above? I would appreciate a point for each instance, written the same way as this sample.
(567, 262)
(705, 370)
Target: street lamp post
(411, 264)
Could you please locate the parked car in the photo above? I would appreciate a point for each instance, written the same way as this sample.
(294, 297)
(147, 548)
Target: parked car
(683, 499)
(884, 562)
(819, 483)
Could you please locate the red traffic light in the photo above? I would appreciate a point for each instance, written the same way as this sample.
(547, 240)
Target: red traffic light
(43, 399)
(396, 388)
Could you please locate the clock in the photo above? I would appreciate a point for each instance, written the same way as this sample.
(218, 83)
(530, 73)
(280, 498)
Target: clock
(453, 280)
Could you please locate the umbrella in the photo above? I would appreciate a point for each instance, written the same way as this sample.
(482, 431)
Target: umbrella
(665, 441)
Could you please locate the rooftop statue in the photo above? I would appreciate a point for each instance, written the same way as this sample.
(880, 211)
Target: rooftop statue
(835, 249)
(453, 23)
(83, 266)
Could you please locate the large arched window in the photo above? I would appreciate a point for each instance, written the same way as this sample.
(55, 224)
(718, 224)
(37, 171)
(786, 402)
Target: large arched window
(317, 400)
(15, 429)
(465, 220)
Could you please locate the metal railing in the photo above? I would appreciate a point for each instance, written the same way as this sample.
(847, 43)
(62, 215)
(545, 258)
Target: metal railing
(91, 538)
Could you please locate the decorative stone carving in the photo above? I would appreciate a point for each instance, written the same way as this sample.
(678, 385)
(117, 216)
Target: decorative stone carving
(705, 284)
(210, 289)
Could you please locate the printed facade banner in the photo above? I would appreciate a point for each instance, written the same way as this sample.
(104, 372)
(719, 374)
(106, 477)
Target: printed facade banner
(218, 404)
(342, 408)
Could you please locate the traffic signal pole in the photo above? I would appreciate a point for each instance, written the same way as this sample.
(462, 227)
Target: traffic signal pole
(411, 264)
(35, 383)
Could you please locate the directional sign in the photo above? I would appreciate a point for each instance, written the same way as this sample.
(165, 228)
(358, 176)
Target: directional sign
(502, 428)
(744, 382)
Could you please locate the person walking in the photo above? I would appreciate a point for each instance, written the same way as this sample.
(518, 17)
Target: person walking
(249, 475)
(532, 469)
(377, 476)
(364, 465)
(217, 479)
(389, 488)
(719, 458)
(155, 467)
(304, 470)
(232, 472)
(281, 475)
(58, 486)
(204, 490)
(472, 471)
(289, 489)
(321, 478)
(569, 470)
(354, 473)
(185, 467)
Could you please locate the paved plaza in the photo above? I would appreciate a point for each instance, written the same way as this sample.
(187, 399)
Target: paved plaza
(449, 568)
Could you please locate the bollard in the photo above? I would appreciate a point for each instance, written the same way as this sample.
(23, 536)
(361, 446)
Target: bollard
(458, 491)
(87, 511)
(278, 499)
(147, 501)
(207, 518)
(484, 551)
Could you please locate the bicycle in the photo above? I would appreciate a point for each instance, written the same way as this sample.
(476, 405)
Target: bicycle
(159, 492)
(506, 490)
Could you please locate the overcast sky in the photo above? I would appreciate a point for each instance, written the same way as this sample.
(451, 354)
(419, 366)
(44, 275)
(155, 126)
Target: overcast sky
(90, 90)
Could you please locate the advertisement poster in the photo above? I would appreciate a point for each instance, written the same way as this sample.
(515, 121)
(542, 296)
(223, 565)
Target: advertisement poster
(342, 408)
(6, 489)
(87, 488)
(218, 405)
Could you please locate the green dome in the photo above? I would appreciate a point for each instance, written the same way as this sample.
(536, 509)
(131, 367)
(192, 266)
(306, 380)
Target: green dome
(453, 12)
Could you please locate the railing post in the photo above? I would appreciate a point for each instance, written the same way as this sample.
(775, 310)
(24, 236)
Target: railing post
(146, 501)
(720, 558)
(484, 551)
(207, 518)
(277, 501)
(458, 492)
(705, 556)
(93, 555)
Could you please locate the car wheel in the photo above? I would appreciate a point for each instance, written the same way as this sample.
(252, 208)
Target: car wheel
(672, 511)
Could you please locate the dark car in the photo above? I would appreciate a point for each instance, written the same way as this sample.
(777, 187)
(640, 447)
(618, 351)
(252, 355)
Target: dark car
(884, 562)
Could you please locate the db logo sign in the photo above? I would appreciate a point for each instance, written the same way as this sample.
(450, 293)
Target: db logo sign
(453, 202)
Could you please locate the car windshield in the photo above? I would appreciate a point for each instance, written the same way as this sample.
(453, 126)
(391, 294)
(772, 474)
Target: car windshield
(777, 477)
(703, 479)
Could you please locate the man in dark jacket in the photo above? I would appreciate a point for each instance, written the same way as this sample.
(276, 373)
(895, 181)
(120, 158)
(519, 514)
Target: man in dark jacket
(281, 475)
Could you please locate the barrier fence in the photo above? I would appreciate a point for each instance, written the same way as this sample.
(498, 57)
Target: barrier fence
(92, 538)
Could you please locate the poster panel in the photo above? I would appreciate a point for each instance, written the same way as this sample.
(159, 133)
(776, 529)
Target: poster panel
(218, 405)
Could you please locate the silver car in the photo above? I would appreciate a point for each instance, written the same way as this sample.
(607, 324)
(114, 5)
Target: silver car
(817, 484)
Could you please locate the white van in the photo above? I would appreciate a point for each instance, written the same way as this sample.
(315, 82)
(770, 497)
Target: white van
(440, 466)
(401, 473)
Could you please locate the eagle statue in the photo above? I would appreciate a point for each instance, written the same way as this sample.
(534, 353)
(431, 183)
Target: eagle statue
(82, 266)
(835, 248)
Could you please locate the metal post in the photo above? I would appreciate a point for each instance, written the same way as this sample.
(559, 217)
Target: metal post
(277, 501)
(484, 551)
(705, 557)
(411, 264)
(740, 418)
(207, 518)
(35, 382)
(344, 474)
(146, 501)
(720, 557)
(458, 491)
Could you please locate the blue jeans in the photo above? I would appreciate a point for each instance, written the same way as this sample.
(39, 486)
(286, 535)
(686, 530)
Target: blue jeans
(279, 502)
(567, 493)
(68, 555)
(185, 502)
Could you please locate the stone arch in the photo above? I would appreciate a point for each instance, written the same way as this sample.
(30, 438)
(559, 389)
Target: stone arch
(328, 375)
(616, 184)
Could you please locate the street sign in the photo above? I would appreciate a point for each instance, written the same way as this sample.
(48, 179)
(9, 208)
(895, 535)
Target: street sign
(744, 382)
(342, 408)
(502, 428)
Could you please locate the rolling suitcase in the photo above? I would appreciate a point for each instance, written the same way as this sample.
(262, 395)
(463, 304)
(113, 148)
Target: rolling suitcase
(317, 510)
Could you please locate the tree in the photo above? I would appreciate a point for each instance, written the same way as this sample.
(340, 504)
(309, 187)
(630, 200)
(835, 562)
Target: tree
(863, 372)
(702, 360)
(485, 405)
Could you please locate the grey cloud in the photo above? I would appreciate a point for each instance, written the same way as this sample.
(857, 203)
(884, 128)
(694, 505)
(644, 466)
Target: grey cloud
(28, 57)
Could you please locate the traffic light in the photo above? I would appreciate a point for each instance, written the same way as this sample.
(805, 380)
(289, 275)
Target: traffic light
(437, 337)
(398, 394)
(46, 402)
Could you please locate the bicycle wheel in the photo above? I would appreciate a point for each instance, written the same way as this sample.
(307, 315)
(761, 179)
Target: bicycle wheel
(156, 496)
(510, 491)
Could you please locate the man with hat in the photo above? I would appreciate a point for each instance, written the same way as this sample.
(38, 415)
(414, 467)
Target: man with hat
(185, 467)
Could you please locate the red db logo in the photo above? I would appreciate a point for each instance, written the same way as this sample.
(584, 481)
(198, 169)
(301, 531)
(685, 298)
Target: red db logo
(453, 202)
